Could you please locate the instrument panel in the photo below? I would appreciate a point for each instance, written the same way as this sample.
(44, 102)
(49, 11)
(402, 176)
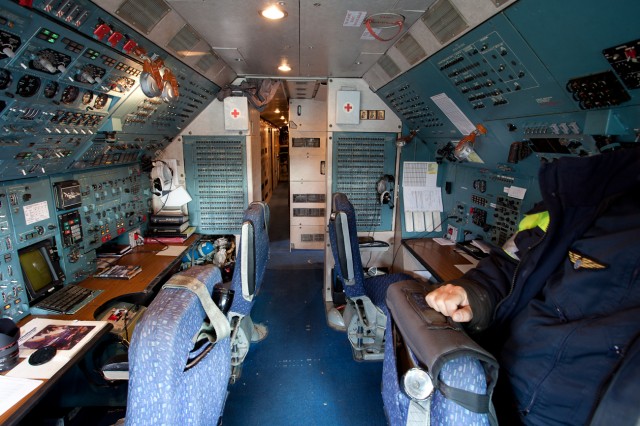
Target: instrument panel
(75, 129)
(570, 90)
(78, 211)
(70, 80)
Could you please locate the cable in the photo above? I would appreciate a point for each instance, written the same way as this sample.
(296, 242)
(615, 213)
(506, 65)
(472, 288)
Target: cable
(166, 246)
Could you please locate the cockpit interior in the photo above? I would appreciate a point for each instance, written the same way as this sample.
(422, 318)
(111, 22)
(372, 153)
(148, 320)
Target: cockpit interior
(218, 212)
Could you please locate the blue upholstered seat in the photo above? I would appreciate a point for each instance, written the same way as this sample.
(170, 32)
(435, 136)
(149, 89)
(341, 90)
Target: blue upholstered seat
(251, 264)
(462, 373)
(466, 370)
(373, 287)
(160, 391)
(255, 224)
(365, 314)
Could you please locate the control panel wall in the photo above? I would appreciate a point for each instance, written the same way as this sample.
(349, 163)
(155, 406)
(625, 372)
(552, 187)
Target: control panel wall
(78, 212)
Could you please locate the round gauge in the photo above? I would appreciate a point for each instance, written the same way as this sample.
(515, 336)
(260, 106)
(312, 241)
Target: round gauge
(5, 78)
(101, 101)
(50, 89)
(28, 86)
(70, 94)
(87, 97)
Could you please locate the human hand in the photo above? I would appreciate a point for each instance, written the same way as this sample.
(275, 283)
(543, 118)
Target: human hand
(451, 300)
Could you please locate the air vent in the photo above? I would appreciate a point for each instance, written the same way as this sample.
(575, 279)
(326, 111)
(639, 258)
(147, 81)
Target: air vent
(444, 21)
(207, 61)
(184, 41)
(410, 49)
(143, 14)
(390, 67)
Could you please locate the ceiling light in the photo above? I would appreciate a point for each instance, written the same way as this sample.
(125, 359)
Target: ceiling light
(282, 117)
(277, 111)
(284, 67)
(273, 12)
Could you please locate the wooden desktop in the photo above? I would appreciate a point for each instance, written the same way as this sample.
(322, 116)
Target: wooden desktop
(439, 260)
(140, 289)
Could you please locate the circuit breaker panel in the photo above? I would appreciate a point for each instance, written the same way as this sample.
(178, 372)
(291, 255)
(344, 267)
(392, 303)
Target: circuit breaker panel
(215, 167)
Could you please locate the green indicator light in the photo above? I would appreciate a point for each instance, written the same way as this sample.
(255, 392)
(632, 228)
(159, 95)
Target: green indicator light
(46, 32)
(51, 40)
(54, 35)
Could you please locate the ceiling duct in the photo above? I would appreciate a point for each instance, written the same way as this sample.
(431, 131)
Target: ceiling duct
(410, 49)
(143, 14)
(302, 89)
(389, 66)
(206, 61)
(444, 21)
(184, 41)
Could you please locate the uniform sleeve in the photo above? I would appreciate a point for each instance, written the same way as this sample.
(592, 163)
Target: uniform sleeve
(486, 285)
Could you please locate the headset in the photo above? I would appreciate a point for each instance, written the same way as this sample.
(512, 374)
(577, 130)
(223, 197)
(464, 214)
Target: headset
(163, 178)
(385, 186)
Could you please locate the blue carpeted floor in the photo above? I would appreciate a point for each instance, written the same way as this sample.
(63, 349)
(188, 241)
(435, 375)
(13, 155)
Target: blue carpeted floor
(303, 373)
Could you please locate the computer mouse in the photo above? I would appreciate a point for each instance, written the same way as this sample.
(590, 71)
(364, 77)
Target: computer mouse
(42, 355)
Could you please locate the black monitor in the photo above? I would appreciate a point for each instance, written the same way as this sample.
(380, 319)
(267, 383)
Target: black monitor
(40, 268)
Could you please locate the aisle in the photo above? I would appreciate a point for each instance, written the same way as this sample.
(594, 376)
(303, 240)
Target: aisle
(303, 372)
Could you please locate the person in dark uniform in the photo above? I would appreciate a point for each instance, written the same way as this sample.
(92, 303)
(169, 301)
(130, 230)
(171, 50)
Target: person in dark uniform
(559, 304)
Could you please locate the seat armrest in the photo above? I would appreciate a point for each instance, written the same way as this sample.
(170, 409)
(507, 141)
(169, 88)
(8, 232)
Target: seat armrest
(433, 338)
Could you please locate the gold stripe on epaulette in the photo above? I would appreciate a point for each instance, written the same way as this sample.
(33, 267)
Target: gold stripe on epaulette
(581, 261)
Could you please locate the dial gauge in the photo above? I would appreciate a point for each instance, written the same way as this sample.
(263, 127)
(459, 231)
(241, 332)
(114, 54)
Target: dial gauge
(28, 86)
(51, 89)
(70, 94)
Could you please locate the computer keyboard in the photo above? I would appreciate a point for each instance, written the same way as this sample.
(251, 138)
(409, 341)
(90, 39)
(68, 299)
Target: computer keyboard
(65, 299)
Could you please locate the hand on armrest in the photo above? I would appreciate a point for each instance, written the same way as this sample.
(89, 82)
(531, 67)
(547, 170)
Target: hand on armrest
(452, 301)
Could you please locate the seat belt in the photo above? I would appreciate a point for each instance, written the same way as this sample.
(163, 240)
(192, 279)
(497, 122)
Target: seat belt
(217, 326)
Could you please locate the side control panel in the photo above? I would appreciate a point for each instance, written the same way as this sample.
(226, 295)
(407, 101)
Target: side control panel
(13, 295)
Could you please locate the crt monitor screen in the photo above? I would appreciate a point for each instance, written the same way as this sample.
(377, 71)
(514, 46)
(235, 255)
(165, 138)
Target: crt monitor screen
(40, 271)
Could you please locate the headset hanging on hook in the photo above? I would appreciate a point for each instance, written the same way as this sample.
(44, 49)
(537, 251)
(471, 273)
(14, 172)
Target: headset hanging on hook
(385, 186)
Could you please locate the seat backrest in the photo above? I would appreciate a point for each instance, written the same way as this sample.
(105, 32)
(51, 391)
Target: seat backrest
(343, 235)
(252, 257)
(462, 372)
(160, 390)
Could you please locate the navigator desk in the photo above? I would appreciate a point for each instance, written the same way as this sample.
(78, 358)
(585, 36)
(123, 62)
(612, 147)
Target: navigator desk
(138, 290)
(439, 260)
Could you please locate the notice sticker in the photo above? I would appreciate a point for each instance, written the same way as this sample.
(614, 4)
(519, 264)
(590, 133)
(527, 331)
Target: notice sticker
(354, 18)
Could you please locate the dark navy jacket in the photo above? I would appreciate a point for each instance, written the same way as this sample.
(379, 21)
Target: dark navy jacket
(560, 318)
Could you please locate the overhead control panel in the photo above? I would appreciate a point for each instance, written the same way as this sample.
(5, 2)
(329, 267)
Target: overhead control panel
(569, 90)
(71, 93)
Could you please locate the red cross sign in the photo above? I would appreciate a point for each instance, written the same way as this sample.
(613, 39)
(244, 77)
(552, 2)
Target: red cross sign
(348, 107)
(235, 113)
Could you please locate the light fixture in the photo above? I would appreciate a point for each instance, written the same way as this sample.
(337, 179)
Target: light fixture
(284, 67)
(273, 12)
(417, 384)
(282, 117)
(277, 111)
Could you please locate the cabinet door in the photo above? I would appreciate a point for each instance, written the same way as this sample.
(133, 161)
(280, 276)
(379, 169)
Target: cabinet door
(307, 237)
(307, 156)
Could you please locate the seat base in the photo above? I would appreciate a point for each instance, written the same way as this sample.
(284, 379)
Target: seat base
(365, 330)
